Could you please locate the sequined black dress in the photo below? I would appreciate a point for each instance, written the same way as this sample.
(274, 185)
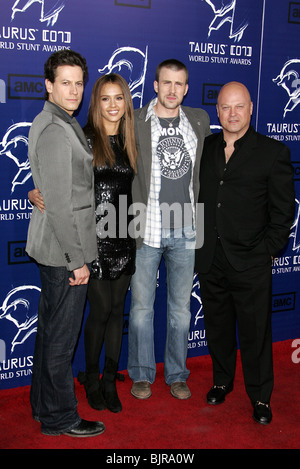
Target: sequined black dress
(116, 249)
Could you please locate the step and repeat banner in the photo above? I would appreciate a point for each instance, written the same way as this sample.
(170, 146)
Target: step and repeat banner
(252, 41)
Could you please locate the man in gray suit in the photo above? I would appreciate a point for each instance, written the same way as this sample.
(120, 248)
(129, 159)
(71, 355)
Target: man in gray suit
(62, 240)
(169, 139)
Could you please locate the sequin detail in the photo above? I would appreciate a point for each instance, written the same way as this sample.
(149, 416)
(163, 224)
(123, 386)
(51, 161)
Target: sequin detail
(116, 255)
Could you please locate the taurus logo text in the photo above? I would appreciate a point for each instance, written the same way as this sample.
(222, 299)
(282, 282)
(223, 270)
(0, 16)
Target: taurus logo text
(49, 14)
(289, 80)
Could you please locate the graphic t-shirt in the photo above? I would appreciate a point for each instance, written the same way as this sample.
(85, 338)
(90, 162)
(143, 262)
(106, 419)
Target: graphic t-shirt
(175, 165)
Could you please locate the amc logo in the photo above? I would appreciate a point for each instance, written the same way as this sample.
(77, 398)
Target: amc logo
(283, 302)
(294, 12)
(296, 166)
(26, 86)
(16, 251)
(210, 94)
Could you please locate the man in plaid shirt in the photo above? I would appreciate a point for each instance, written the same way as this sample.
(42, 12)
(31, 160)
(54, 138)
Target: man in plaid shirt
(169, 139)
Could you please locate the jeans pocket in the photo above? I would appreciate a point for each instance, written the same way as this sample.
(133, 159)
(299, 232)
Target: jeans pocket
(189, 233)
(190, 237)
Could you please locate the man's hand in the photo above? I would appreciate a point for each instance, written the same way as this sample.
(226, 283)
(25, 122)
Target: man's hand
(81, 276)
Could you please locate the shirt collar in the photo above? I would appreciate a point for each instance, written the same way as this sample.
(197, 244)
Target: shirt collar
(151, 112)
(64, 113)
(238, 143)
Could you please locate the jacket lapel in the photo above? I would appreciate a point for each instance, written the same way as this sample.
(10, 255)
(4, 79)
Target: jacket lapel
(215, 154)
(80, 134)
(50, 107)
(144, 139)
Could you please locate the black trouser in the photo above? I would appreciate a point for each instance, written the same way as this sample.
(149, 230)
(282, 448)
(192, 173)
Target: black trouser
(233, 298)
(105, 321)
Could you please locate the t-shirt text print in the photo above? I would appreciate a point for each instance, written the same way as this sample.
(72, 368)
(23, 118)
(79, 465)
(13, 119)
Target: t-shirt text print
(175, 166)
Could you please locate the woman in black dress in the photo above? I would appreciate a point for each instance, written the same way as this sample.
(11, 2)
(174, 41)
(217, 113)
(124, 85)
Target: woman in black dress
(110, 134)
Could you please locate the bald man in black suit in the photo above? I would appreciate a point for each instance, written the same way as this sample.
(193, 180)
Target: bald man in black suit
(246, 185)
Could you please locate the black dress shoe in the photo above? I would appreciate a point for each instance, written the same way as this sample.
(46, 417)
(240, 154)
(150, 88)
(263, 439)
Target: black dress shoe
(262, 413)
(216, 394)
(86, 428)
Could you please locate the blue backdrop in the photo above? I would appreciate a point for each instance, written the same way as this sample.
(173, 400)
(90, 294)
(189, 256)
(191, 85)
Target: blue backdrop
(252, 41)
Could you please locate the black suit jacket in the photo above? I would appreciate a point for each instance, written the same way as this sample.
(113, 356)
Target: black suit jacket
(249, 205)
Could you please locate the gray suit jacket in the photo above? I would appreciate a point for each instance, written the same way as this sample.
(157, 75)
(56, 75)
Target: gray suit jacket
(199, 121)
(61, 165)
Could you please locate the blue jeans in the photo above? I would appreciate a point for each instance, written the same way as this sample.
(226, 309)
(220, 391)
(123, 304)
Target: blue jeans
(60, 313)
(178, 253)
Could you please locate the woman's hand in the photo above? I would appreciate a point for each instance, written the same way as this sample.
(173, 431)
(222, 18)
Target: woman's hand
(36, 199)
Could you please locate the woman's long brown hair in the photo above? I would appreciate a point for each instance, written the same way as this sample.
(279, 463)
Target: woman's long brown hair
(102, 152)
